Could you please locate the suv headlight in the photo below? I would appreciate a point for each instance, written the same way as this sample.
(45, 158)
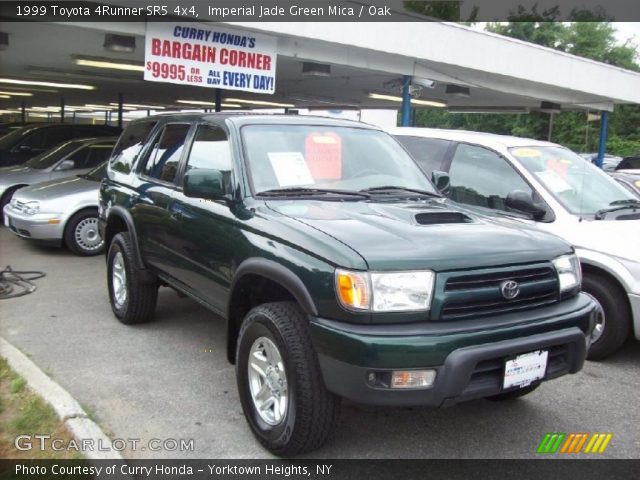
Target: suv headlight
(569, 272)
(385, 292)
(31, 208)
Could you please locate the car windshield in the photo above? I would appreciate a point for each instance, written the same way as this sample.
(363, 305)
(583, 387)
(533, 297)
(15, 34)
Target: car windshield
(53, 155)
(11, 138)
(97, 174)
(581, 187)
(328, 157)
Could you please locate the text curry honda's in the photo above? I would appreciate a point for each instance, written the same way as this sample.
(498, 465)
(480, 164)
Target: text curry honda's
(339, 269)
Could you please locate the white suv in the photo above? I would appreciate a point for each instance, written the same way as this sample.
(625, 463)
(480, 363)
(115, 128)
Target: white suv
(549, 186)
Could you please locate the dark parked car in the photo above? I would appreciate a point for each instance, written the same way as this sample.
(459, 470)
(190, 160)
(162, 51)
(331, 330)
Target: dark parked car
(24, 143)
(609, 162)
(629, 163)
(338, 267)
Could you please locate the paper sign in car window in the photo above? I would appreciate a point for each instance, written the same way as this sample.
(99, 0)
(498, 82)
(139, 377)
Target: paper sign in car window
(290, 168)
(323, 152)
(553, 181)
(527, 152)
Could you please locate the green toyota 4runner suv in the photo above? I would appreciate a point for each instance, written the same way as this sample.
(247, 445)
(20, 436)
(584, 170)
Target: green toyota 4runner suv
(339, 268)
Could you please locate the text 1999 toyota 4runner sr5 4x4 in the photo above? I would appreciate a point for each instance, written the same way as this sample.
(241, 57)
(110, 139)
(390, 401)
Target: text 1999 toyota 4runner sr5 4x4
(339, 268)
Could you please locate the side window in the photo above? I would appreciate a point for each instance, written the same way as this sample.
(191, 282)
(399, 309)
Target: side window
(166, 152)
(128, 147)
(482, 178)
(429, 153)
(91, 155)
(210, 149)
(35, 140)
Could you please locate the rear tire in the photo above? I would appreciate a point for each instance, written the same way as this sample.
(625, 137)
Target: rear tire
(81, 234)
(617, 315)
(304, 420)
(132, 295)
(512, 395)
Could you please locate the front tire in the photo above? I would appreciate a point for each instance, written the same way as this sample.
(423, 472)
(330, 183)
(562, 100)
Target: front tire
(81, 234)
(283, 396)
(132, 296)
(612, 329)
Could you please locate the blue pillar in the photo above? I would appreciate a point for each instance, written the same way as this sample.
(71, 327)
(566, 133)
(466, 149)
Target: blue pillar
(406, 102)
(602, 145)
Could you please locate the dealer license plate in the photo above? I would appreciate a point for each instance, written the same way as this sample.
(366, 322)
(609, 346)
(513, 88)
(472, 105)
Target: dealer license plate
(525, 369)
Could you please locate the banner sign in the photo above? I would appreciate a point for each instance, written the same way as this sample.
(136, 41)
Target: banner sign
(210, 56)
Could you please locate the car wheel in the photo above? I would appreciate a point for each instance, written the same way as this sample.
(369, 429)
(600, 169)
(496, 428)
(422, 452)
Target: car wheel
(513, 394)
(613, 321)
(283, 396)
(133, 296)
(81, 234)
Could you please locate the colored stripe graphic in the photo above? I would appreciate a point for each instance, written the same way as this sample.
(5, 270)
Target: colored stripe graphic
(554, 442)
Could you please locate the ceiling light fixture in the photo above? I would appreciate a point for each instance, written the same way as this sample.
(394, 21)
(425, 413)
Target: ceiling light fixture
(17, 94)
(100, 62)
(208, 104)
(106, 107)
(5, 96)
(15, 81)
(414, 101)
(136, 105)
(550, 107)
(311, 69)
(119, 43)
(261, 102)
(457, 91)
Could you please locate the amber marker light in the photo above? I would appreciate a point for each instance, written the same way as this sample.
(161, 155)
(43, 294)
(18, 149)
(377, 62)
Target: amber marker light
(353, 289)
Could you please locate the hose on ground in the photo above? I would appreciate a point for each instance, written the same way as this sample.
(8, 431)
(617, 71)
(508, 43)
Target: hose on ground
(16, 284)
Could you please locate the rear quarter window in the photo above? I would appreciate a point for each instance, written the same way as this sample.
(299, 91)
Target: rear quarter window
(129, 145)
(429, 153)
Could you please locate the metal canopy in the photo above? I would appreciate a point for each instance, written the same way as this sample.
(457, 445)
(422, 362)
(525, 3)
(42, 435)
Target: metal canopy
(502, 74)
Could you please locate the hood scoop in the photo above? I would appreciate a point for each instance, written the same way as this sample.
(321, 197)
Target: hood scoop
(438, 218)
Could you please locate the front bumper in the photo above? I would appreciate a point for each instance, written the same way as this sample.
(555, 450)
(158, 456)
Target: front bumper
(40, 226)
(468, 355)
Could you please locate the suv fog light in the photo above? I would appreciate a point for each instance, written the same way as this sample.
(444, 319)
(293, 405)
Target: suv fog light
(412, 378)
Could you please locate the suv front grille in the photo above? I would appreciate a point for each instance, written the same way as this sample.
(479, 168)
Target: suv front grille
(471, 294)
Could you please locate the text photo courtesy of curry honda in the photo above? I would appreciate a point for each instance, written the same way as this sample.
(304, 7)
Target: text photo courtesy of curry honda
(319, 240)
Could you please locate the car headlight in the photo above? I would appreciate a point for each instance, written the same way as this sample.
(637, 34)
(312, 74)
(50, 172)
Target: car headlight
(569, 272)
(31, 208)
(385, 292)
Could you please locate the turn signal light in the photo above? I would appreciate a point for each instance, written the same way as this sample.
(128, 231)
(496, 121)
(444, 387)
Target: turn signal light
(412, 378)
(353, 289)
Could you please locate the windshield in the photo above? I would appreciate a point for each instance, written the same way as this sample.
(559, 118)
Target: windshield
(327, 157)
(582, 188)
(97, 174)
(11, 138)
(52, 156)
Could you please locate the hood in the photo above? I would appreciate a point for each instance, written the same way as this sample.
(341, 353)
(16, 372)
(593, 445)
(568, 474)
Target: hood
(431, 234)
(612, 237)
(21, 174)
(55, 189)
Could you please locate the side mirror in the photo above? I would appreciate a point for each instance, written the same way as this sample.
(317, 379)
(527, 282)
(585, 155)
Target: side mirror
(66, 165)
(22, 148)
(441, 181)
(523, 202)
(204, 183)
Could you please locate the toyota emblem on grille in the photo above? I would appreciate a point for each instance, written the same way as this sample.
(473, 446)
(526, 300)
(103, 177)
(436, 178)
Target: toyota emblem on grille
(509, 289)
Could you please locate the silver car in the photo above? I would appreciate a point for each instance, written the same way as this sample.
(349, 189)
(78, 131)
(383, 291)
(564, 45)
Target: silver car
(70, 158)
(59, 212)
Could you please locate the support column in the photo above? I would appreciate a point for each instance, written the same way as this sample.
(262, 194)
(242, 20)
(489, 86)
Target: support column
(23, 112)
(61, 109)
(602, 145)
(120, 101)
(406, 102)
(218, 100)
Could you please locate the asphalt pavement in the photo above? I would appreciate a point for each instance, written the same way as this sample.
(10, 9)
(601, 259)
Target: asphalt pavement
(170, 380)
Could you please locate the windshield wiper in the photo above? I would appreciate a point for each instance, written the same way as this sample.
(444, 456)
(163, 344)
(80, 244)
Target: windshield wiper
(617, 205)
(390, 189)
(300, 191)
